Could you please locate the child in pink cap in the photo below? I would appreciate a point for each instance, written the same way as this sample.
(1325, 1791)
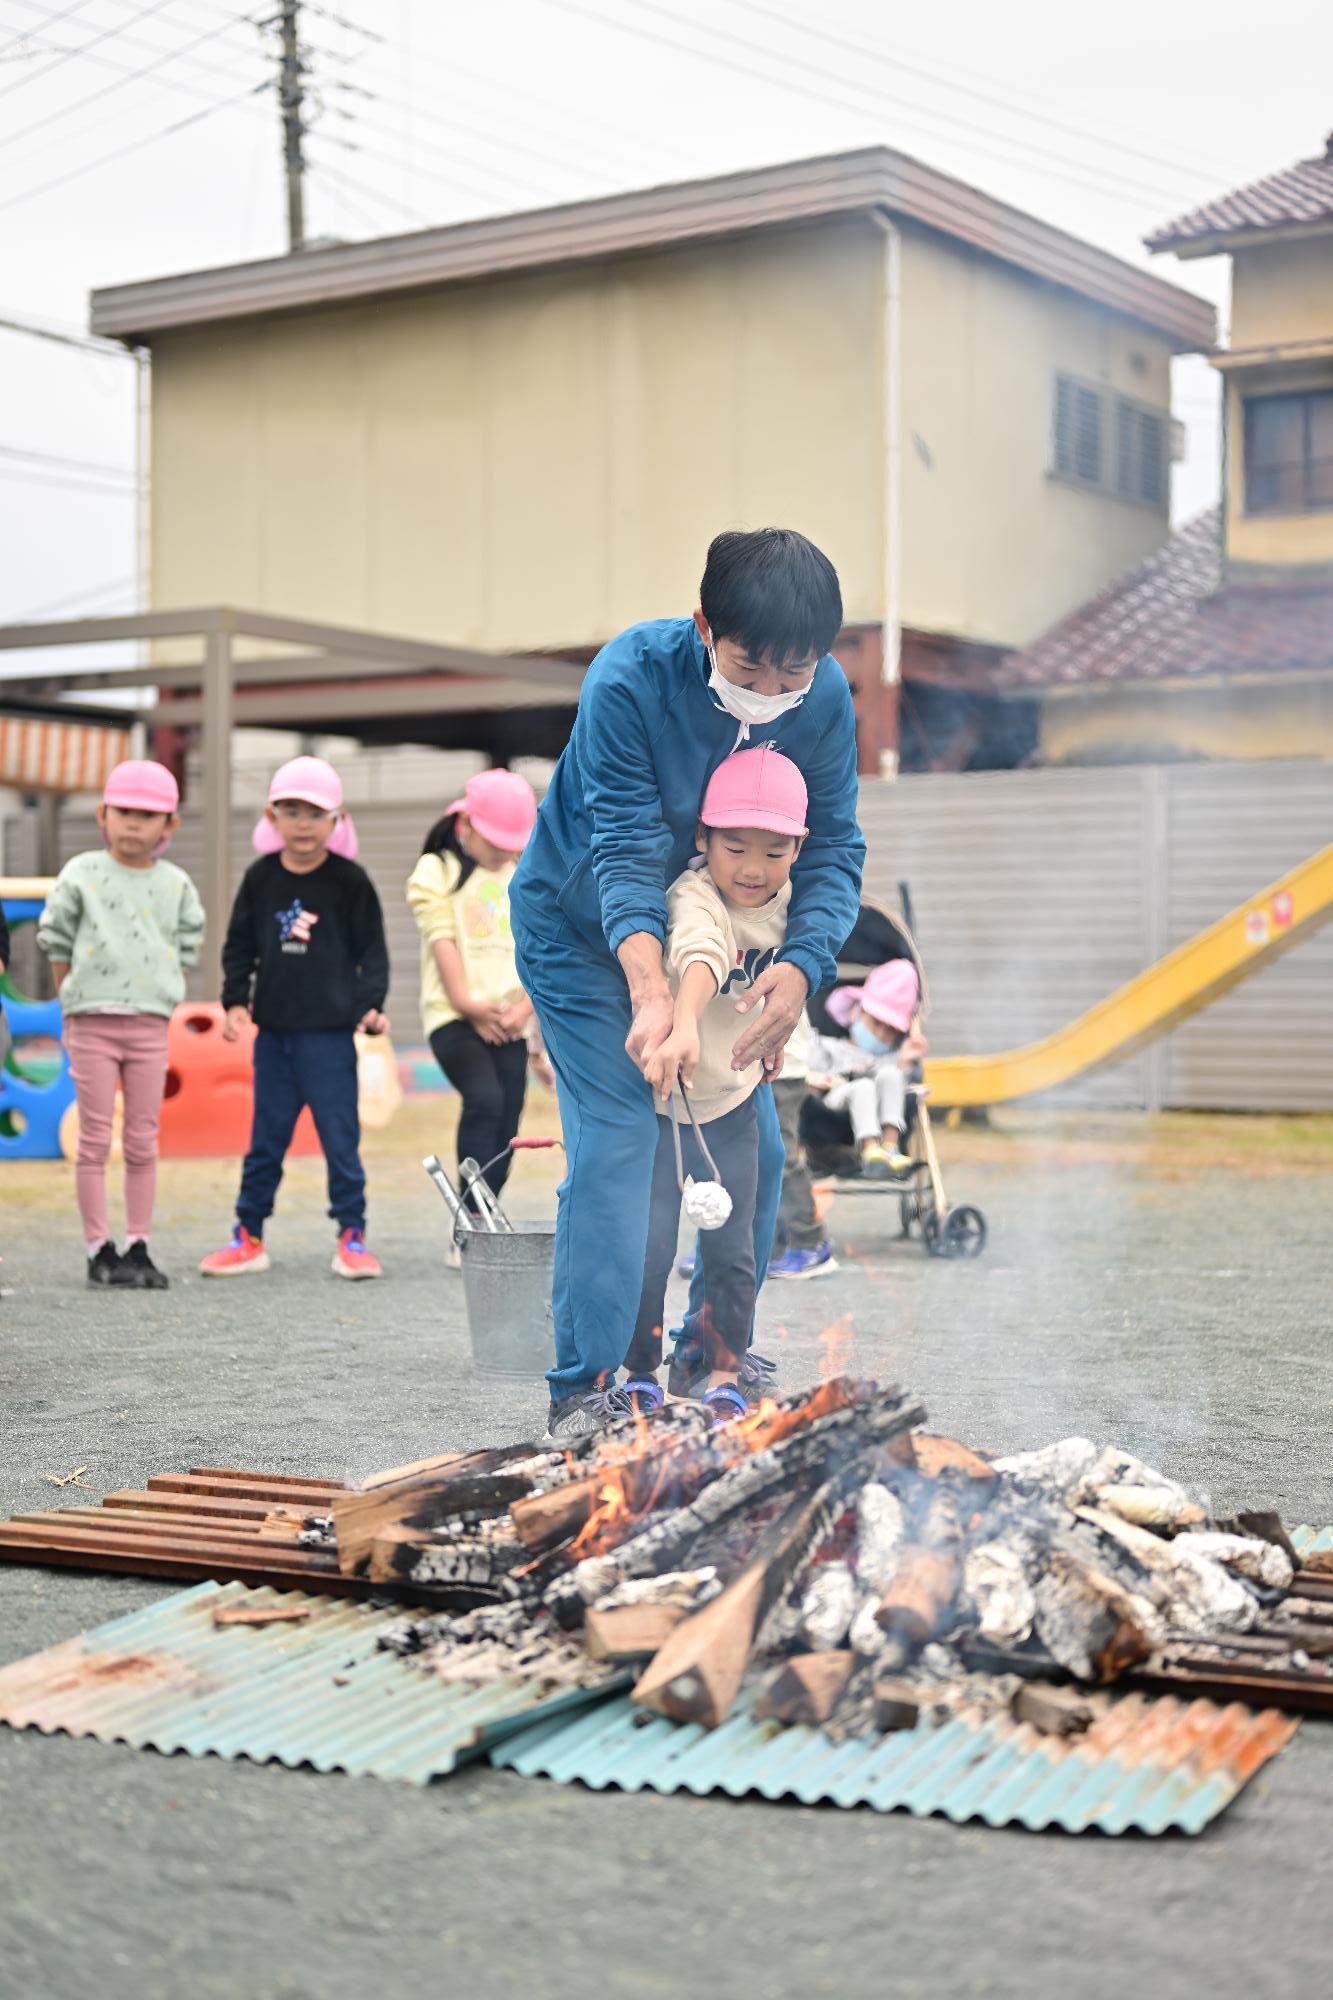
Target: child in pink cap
(474, 1011)
(304, 957)
(865, 1075)
(726, 923)
(120, 928)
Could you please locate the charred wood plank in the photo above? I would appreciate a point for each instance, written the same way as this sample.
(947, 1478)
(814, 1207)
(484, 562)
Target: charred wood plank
(806, 1689)
(631, 1632)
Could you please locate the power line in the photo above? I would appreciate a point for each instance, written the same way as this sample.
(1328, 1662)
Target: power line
(89, 343)
(805, 91)
(40, 27)
(106, 35)
(891, 60)
(134, 146)
(132, 76)
(70, 464)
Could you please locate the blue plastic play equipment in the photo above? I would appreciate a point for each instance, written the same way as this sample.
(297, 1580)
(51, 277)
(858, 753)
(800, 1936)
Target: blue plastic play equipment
(32, 1104)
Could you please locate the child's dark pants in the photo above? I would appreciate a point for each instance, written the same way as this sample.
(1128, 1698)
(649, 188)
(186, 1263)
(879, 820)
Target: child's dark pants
(726, 1255)
(491, 1079)
(314, 1066)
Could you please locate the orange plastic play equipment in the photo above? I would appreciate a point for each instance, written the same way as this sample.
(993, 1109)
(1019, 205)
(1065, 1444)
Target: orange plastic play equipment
(209, 1098)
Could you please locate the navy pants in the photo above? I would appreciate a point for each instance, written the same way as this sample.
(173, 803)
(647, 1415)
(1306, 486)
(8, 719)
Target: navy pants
(726, 1255)
(609, 1121)
(314, 1066)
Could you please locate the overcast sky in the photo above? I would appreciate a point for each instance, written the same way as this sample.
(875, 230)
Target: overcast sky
(1106, 121)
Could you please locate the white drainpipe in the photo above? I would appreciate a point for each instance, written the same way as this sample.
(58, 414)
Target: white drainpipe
(892, 460)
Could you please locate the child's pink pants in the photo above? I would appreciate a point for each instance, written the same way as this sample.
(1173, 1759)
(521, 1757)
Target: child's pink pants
(107, 1051)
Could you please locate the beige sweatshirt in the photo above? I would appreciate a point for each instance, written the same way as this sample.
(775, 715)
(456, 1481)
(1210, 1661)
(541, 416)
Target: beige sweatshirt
(736, 945)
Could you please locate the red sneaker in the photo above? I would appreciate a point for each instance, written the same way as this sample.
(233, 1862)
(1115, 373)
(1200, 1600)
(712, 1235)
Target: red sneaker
(352, 1259)
(244, 1253)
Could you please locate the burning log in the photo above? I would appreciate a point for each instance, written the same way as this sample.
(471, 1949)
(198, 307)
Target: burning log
(793, 1461)
(920, 1596)
(633, 1632)
(806, 1689)
(934, 1455)
(1051, 1710)
(1090, 1624)
(697, 1674)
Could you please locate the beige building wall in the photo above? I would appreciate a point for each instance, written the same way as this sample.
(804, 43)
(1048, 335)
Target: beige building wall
(1281, 292)
(531, 462)
(1232, 721)
(996, 548)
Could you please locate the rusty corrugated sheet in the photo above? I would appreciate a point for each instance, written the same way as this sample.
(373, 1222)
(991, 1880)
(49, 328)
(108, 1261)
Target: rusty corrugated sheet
(1311, 1541)
(318, 1692)
(1153, 1765)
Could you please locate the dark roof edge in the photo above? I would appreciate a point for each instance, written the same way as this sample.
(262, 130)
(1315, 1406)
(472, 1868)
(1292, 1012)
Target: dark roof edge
(873, 179)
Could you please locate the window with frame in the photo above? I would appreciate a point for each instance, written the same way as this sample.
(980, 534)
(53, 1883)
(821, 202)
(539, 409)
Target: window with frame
(1141, 442)
(1289, 452)
(1078, 452)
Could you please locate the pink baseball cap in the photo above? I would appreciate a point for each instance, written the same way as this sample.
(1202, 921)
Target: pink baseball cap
(757, 788)
(309, 779)
(502, 806)
(892, 993)
(142, 786)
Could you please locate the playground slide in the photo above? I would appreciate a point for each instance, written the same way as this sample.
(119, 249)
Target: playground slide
(1186, 980)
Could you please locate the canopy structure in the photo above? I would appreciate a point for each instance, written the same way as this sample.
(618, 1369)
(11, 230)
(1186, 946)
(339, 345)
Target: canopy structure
(221, 668)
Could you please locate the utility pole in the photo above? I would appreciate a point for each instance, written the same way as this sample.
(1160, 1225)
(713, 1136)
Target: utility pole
(290, 97)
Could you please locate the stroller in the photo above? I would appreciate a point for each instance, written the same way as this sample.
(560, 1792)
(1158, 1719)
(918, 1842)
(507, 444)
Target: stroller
(826, 1136)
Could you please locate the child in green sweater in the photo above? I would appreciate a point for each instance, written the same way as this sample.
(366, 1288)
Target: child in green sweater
(120, 927)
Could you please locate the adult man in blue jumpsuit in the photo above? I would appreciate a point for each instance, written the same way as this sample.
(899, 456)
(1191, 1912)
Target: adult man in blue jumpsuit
(661, 707)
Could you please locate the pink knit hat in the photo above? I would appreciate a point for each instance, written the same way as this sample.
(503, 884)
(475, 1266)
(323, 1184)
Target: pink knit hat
(757, 788)
(502, 806)
(310, 780)
(891, 994)
(142, 786)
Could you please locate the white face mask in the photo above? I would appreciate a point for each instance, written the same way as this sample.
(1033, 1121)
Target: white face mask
(749, 709)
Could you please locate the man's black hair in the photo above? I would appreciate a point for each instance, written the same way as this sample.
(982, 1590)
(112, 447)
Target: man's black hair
(443, 839)
(773, 592)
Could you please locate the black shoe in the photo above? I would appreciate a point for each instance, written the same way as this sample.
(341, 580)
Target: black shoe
(690, 1369)
(590, 1411)
(104, 1267)
(137, 1270)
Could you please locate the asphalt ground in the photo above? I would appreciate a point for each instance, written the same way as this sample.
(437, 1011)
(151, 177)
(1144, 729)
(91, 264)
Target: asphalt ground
(1160, 1283)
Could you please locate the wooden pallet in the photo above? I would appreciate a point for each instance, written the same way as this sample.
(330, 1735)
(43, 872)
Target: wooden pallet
(221, 1523)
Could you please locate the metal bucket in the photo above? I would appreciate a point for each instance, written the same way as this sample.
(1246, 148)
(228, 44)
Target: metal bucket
(507, 1285)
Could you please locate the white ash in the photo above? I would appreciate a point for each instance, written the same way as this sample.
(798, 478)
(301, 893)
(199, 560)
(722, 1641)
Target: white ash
(1134, 1491)
(688, 1588)
(828, 1607)
(880, 1530)
(1261, 1562)
(997, 1579)
(1059, 1465)
(1194, 1594)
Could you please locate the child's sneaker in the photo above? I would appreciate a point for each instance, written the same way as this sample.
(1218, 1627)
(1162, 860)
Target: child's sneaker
(818, 1262)
(104, 1265)
(727, 1402)
(874, 1161)
(244, 1253)
(352, 1259)
(690, 1369)
(138, 1270)
(645, 1395)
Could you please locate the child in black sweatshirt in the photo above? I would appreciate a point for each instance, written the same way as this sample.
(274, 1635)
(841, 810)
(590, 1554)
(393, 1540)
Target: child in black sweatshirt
(305, 956)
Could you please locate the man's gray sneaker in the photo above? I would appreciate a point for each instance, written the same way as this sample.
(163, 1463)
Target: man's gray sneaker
(581, 1415)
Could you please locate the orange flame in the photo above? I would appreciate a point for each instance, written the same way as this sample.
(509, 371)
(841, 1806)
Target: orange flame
(836, 1347)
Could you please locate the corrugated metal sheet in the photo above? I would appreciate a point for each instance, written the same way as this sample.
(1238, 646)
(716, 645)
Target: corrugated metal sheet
(1307, 1540)
(1153, 1765)
(318, 1692)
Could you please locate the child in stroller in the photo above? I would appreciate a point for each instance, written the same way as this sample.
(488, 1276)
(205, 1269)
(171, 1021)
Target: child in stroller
(863, 1077)
(866, 1051)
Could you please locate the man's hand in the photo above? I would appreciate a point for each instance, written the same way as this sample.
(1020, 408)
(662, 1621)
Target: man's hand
(237, 1021)
(677, 1056)
(372, 1022)
(782, 990)
(654, 1016)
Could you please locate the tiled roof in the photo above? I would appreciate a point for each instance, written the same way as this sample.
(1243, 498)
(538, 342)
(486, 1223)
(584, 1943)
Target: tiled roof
(1174, 618)
(1303, 193)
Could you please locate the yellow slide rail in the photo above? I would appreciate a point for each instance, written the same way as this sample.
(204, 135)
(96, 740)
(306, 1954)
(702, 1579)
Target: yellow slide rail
(1186, 980)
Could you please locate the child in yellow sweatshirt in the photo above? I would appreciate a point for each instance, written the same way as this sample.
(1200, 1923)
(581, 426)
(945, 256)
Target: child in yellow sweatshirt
(473, 1010)
(726, 923)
